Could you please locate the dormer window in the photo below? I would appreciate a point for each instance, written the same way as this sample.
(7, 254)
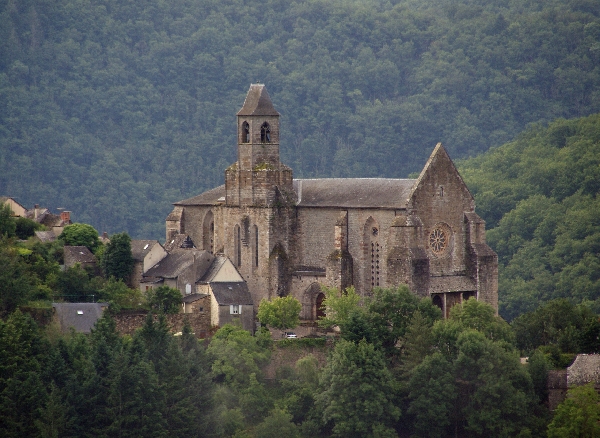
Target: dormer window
(265, 133)
(245, 132)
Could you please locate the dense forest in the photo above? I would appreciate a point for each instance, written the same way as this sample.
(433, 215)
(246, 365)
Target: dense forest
(539, 197)
(115, 109)
(396, 368)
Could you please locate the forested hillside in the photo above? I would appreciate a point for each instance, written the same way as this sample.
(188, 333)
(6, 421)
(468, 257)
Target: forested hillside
(539, 196)
(114, 109)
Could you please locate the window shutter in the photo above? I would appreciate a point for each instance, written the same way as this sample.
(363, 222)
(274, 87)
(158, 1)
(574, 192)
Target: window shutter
(240, 309)
(231, 309)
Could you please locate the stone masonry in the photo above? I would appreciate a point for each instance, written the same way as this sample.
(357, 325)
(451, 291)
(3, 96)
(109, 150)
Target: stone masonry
(290, 236)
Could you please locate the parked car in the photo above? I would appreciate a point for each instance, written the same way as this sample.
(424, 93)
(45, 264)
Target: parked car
(290, 335)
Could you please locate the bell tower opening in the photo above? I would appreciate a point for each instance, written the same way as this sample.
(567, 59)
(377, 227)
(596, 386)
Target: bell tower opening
(265, 133)
(245, 132)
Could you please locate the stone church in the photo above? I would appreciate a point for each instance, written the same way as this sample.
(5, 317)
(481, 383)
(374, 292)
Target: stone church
(289, 236)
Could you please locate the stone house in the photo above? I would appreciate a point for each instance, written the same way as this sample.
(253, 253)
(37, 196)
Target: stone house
(79, 255)
(207, 282)
(146, 253)
(289, 236)
(17, 209)
(584, 369)
(179, 269)
(54, 222)
(231, 302)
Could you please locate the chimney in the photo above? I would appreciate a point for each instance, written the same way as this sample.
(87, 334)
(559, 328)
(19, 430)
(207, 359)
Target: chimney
(36, 211)
(65, 216)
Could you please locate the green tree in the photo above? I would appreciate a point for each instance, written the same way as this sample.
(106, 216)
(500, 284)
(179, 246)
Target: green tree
(338, 305)
(558, 323)
(26, 228)
(136, 401)
(117, 260)
(80, 235)
(75, 285)
(236, 354)
(578, 416)
(417, 342)
(433, 393)
(22, 392)
(384, 319)
(277, 425)
(53, 418)
(17, 284)
(164, 299)
(281, 313)
(7, 223)
(119, 295)
(357, 392)
(471, 361)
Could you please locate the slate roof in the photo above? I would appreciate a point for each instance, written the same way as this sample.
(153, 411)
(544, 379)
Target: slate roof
(213, 269)
(585, 369)
(140, 248)
(353, 192)
(80, 316)
(45, 236)
(210, 197)
(333, 192)
(258, 102)
(193, 298)
(451, 283)
(231, 293)
(79, 254)
(177, 261)
(180, 241)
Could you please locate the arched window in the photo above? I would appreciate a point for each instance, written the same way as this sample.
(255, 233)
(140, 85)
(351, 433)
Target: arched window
(437, 301)
(372, 253)
(265, 133)
(245, 132)
(208, 232)
(237, 233)
(255, 245)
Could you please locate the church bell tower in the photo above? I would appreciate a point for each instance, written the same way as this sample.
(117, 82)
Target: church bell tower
(258, 175)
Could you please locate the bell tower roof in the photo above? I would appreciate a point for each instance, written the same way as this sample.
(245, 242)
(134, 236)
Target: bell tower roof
(258, 102)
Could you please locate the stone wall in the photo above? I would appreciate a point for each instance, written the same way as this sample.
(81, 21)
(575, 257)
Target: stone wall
(557, 388)
(287, 357)
(585, 369)
(128, 323)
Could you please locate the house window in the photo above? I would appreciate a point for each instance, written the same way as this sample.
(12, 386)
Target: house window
(265, 133)
(245, 132)
(235, 309)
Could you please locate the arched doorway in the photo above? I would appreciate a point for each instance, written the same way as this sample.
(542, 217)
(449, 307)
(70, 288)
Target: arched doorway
(320, 310)
(437, 301)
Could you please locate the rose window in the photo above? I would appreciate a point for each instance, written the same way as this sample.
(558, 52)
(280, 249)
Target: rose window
(438, 241)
